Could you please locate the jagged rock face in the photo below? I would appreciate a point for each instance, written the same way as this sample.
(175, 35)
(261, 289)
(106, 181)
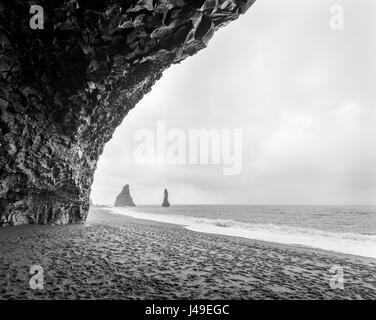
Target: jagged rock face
(64, 89)
(165, 199)
(124, 199)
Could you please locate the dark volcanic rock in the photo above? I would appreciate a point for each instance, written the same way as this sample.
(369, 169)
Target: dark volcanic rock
(124, 199)
(165, 199)
(64, 89)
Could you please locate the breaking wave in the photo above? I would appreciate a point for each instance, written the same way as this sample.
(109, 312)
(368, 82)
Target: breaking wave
(348, 243)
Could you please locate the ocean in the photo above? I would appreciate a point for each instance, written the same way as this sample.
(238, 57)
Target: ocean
(343, 229)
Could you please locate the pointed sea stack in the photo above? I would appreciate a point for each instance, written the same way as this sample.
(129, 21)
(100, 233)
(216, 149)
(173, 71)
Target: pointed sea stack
(124, 199)
(165, 200)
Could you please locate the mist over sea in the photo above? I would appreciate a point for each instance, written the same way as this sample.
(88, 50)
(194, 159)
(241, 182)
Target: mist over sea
(343, 229)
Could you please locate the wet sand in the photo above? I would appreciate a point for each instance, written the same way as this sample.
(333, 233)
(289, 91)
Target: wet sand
(117, 257)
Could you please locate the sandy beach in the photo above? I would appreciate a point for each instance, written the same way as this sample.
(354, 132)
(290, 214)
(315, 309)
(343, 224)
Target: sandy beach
(117, 257)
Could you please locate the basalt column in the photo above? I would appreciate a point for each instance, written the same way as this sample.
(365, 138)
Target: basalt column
(66, 86)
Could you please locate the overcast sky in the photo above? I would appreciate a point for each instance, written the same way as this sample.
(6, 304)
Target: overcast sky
(302, 93)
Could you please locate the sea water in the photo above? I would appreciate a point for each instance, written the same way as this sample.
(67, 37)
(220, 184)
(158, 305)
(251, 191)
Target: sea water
(343, 229)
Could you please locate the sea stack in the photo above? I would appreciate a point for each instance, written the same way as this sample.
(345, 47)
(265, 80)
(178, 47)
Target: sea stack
(124, 199)
(165, 200)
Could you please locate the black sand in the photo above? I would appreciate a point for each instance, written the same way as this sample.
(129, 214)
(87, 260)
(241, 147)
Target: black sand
(116, 257)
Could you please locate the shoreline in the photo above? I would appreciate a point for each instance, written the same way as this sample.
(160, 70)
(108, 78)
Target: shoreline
(267, 243)
(113, 256)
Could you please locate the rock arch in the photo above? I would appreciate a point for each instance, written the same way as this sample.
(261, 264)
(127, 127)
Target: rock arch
(65, 88)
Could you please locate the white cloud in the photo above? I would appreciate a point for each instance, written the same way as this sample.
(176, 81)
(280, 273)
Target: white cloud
(301, 92)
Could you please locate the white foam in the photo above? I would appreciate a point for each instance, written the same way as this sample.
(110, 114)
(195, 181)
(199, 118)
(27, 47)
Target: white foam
(348, 243)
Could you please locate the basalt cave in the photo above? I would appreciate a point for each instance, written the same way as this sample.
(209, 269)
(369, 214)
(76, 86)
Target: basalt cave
(64, 88)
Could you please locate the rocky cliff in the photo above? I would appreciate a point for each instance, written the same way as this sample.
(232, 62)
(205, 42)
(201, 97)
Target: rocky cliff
(65, 88)
(124, 199)
(165, 199)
